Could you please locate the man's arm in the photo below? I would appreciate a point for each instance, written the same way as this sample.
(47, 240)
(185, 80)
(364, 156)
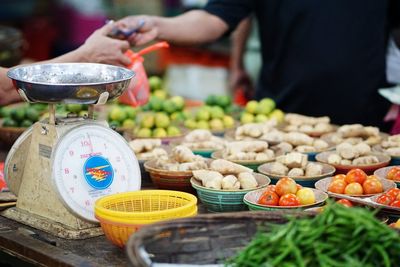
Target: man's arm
(191, 28)
(238, 75)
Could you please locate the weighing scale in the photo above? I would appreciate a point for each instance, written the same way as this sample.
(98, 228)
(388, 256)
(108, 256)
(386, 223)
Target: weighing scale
(60, 166)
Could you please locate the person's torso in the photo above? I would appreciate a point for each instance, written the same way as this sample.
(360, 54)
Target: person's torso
(324, 57)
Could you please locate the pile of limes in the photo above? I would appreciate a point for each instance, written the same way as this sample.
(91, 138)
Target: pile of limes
(122, 116)
(210, 117)
(157, 125)
(22, 115)
(261, 111)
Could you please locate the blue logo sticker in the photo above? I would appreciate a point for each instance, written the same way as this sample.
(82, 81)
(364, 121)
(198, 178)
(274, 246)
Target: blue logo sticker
(98, 172)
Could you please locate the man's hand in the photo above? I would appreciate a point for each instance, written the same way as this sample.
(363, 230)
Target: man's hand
(8, 94)
(99, 48)
(146, 33)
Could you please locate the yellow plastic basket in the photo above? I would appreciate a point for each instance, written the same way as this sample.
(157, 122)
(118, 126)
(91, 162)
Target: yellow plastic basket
(122, 214)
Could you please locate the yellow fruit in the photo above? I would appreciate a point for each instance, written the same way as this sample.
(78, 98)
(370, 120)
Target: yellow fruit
(216, 125)
(144, 133)
(278, 115)
(261, 118)
(202, 125)
(128, 123)
(147, 121)
(162, 94)
(229, 122)
(246, 118)
(251, 107)
(306, 196)
(159, 132)
(162, 120)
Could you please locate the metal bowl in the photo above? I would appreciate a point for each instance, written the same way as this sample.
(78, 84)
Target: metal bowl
(70, 82)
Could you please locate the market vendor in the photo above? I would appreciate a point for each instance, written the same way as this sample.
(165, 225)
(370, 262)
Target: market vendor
(98, 48)
(319, 58)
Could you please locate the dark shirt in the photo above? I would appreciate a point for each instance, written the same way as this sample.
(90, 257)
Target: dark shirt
(320, 57)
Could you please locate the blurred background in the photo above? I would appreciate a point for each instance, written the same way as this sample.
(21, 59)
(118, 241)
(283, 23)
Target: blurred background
(32, 30)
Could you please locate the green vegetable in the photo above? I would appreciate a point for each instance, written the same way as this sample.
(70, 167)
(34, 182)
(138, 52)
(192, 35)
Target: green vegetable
(339, 236)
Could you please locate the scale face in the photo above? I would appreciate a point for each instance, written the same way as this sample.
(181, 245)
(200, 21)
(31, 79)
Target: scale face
(91, 161)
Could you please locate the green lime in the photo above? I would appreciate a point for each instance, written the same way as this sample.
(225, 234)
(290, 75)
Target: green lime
(117, 114)
(18, 114)
(155, 83)
(75, 108)
(147, 121)
(156, 103)
(173, 131)
(178, 101)
(128, 123)
(217, 112)
(169, 106)
(130, 112)
(161, 94)
(211, 100)
(246, 118)
(6, 112)
(144, 133)
(162, 120)
(223, 101)
(159, 133)
(190, 124)
(203, 114)
(40, 107)
(32, 114)
(83, 113)
(251, 106)
(8, 122)
(26, 123)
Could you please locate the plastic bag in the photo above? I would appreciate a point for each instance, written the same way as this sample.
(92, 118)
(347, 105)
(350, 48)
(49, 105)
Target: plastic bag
(138, 91)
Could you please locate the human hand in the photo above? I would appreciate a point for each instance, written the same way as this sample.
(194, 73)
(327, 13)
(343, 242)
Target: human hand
(99, 48)
(146, 25)
(240, 79)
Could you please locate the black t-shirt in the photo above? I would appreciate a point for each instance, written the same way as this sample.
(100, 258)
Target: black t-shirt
(320, 57)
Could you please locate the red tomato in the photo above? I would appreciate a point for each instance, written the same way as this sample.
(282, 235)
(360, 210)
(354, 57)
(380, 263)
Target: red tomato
(271, 187)
(393, 193)
(384, 200)
(373, 177)
(298, 187)
(269, 198)
(395, 203)
(391, 173)
(354, 189)
(339, 177)
(285, 186)
(356, 176)
(345, 202)
(337, 187)
(396, 176)
(372, 186)
(289, 200)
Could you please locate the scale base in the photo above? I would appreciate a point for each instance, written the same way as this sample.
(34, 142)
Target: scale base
(50, 226)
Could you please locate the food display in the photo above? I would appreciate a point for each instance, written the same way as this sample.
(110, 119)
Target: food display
(210, 117)
(181, 159)
(355, 133)
(287, 193)
(295, 164)
(261, 111)
(261, 131)
(315, 126)
(21, 116)
(157, 125)
(348, 154)
(122, 116)
(146, 149)
(234, 181)
(201, 140)
(355, 183)
(390, 198)
(390, 146)
(247, 151)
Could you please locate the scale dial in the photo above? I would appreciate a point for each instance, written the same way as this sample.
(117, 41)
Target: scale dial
(91, 161)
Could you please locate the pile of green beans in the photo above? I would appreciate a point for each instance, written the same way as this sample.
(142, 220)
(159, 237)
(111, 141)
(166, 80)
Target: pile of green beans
(337, 237)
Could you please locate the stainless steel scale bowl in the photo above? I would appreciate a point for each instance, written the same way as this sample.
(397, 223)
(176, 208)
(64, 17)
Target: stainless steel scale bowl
(83, 83)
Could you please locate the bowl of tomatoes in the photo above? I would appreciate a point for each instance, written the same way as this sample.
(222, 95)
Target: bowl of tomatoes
(355, 183)
(392, 173)
(286, 194)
